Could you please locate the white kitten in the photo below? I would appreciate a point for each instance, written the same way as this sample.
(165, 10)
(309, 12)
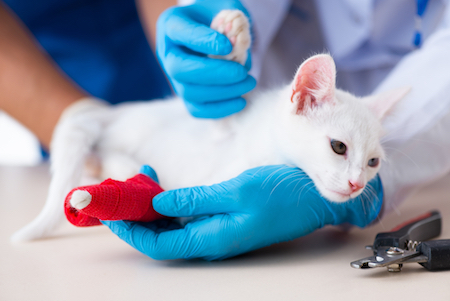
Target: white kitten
(330, 134)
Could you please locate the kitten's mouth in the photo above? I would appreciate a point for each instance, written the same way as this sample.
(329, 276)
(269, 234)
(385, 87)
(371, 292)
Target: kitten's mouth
(341, 196)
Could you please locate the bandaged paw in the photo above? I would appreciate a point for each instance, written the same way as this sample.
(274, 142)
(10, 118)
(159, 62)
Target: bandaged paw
(80, 199)
(113, 200)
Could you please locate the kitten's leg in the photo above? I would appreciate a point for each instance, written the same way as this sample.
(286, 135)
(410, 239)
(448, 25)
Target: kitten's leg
(72, 141)
(235, 25)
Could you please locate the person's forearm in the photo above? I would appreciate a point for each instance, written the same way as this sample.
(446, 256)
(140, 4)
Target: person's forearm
(149, 12)
(412, 163)
(33, 90)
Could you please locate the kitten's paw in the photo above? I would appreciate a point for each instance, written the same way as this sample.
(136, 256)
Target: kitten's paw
(80, 199)
(235, 25)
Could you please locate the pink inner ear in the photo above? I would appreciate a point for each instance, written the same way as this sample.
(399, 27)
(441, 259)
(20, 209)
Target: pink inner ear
(314, 83)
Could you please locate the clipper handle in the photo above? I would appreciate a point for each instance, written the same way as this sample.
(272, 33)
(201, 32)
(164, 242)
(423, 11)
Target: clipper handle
(424, 227)
(438, 254)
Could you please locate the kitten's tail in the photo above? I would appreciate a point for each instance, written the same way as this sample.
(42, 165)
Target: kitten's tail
(73, 139)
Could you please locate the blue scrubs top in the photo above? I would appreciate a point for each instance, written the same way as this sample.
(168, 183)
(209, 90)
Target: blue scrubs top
(100, 44)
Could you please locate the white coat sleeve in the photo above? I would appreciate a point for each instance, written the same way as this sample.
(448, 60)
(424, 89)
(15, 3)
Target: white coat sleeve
(267, 17)
(418, 139)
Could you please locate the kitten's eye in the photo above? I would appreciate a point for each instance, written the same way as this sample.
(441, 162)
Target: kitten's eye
(338, 147)
(374, 162)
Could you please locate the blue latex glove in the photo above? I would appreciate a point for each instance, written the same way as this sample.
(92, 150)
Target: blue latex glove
(260, 207)
(211, 88)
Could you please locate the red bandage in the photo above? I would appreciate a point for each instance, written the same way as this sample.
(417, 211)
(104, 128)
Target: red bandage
(115, 200)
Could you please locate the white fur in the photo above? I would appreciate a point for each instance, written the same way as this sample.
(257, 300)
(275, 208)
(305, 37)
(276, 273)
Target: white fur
(185, 151)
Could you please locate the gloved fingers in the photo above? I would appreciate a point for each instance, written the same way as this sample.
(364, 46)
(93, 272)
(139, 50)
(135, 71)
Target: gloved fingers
(182, 30)
(192, 241)
(141, 238)
(197, 200)
(248, 63)
(162, 225)
(191, 68)
(218, 109)
(148, 171)
(203, 94)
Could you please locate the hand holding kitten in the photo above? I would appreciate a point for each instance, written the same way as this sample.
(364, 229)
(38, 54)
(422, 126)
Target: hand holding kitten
(260, 207)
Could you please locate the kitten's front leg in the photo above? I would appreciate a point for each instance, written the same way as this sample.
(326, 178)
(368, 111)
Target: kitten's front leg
(235, 25)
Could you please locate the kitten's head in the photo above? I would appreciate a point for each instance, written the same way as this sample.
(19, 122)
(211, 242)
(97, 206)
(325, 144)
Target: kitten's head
(332, 135)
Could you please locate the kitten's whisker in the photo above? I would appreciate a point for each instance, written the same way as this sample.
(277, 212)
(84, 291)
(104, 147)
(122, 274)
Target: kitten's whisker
(400, 139)
(269, 177)
(301, 191)
(363, 205)
(370, 189)
(299, 181)
(295, 174)
(312, 186)
(399, 151)
(395, 208)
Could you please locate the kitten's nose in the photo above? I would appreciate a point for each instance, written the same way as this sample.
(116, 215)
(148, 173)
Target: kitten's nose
(355, 185)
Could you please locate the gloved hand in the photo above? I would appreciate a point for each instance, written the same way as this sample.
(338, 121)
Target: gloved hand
(260, 207)
(211, 88)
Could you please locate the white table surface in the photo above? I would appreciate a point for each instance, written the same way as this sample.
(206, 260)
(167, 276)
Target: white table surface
(93, 264)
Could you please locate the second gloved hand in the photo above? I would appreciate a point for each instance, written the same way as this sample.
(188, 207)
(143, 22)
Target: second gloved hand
(260, 207)
(211, 88)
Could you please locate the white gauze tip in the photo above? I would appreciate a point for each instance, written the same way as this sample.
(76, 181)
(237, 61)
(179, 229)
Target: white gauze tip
(80, 199)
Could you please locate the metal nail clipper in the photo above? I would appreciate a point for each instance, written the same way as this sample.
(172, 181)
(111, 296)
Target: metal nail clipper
(407, 243)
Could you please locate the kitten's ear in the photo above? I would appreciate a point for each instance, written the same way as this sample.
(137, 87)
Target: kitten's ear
(381, 103)
(314, 83)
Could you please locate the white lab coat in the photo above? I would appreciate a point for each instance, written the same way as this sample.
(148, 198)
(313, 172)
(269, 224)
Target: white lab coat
(372, 44)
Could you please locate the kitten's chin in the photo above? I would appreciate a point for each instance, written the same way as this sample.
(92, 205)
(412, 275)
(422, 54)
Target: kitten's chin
(338, 197)
(334, 196)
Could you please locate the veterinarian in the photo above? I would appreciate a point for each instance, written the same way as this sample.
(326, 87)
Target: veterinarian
(242, 214)
(377, 45)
